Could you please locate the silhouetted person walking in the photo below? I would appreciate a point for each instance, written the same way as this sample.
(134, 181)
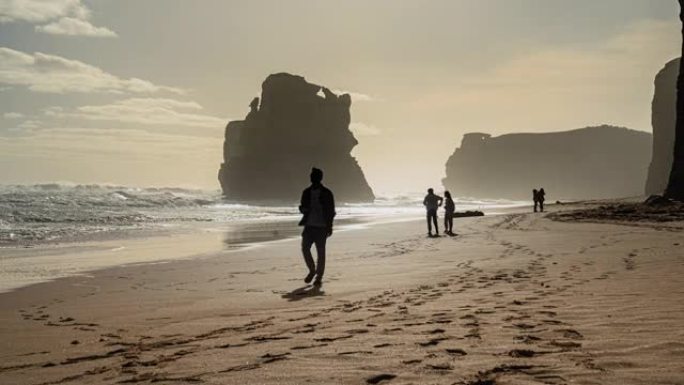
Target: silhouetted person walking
(432, 203)
(318, 209)
(535, 198)
(541, 196)
(449, 209)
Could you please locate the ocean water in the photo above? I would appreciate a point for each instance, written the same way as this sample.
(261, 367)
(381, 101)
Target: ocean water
(56, 213)
(51, 231)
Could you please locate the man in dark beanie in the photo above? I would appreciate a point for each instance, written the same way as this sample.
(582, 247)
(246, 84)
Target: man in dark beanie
(318, 209)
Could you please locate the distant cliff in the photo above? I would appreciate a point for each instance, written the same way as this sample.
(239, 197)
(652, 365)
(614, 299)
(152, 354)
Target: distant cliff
(663, 114)
(295, 126)
(592, 162)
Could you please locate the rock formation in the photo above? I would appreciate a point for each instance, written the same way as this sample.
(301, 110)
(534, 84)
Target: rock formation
(592, 162)
(295, 126)
(663, 113)
(675, 186)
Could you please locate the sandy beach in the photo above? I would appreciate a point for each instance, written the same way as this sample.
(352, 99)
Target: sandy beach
(513, 299)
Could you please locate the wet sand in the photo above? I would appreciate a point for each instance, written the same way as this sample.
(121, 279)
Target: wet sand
(513, 299)
(25, 265)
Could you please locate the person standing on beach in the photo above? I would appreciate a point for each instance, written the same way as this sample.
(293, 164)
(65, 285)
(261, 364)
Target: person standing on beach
(535, 198)
(318, 208)
(541, 196)
(449, 209)
(432, 202)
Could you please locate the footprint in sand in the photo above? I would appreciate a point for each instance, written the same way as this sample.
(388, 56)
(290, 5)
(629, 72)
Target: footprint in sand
(385, 345)
(305, 347)
(473, 334)
(332, 339)
(433, 341)
(524, 326)
(525, 353)
(566, 345)
(571, 334)
(392, 330)
(412, 362)
(456, 352)
(380, 378)
(528, 339)
(547, 313)
(268, 357)
(267, 338)
(440, 366)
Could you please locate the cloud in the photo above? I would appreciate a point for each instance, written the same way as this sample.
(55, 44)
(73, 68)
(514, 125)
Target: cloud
(560, 87)
(38, 11)
(24, 128)
(12, 115)
(64, 17)
(54, 74)
(29, 124)
(80, 139)
(145, 111)
(122, 156)
(75, 27)
(362, 129)
(609, 62)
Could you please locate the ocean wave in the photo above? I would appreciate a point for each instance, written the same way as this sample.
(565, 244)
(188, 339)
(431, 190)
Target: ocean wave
(54, 211)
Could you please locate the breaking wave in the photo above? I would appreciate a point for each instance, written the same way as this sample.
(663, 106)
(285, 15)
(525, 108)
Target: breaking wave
(60, 212)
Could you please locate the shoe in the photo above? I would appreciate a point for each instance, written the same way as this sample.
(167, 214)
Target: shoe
(318, 283)
(310, 277)
(430, 235)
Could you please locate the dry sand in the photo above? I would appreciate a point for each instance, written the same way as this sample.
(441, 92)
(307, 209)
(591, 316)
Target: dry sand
(514, 299)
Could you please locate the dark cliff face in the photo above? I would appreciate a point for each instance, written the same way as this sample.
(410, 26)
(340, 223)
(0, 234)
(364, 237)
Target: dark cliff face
(675, 185)
(592, 162)
(297, 125)
(663, 114)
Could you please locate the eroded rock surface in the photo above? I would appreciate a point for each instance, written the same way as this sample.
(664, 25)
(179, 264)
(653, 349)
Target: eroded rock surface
(592, 162)
(663, 114)
(295, 125)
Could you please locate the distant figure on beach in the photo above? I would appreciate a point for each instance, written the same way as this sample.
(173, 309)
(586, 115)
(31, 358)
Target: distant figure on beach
(318, 208)
(535, 198)
(541, 196)
(449, 208)
(432, 202)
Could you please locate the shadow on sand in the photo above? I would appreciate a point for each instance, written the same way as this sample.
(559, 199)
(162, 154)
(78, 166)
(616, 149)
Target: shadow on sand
(307, 291)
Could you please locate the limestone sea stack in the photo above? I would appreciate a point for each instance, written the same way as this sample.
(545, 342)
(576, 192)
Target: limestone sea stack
(295, 125)
(663, 115)
(592, 162)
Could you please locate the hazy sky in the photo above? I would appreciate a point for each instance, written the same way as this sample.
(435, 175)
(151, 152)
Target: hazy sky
(138, 92)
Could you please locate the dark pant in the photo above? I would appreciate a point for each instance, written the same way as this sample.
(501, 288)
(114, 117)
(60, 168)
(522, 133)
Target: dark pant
(432, 218)
(541, 206)
(448, 222)
(317, 236)
(536, 204)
